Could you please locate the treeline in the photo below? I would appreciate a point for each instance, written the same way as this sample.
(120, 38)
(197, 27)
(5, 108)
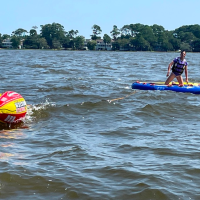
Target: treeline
(132, 37)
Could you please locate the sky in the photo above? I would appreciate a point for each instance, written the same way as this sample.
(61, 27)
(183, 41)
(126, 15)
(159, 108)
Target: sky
(81, 15)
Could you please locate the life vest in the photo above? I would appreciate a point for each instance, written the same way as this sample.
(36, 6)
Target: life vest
(178, 66)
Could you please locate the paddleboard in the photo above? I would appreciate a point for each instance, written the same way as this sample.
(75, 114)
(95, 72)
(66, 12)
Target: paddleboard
(189, 88)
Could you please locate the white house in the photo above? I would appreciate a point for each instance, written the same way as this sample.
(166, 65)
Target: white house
(7, 43)
(103, 46)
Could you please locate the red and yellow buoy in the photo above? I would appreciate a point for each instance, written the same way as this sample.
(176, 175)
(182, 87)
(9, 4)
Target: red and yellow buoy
(13, 108)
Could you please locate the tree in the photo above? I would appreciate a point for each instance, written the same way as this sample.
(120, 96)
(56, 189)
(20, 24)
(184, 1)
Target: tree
(15, 42)
(175, 43)
(157, 29)
(72, 34)
(115, 32)
(51, 32)
(33, 32)
(96, 31)
(56, 43)
(35, 42)
(106, 39)
(135, 29)
(95, 37)
(66, 42)
(188, 37)
(91, 45)
(140, 43)
(79, 42)
(148, 35)
(196, 45)
(167, 46)
(185, 46)
(115, 45)
(72, 44)
(30, 42)
(125, 30)
(42, 43)
(5, 36)
(195, 29)
(123, 43)
(19, 32)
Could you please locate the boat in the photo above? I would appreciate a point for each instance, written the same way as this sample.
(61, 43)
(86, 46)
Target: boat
(186, 87)
(13, 108)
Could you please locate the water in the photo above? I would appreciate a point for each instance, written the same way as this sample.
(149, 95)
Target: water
(87, 136)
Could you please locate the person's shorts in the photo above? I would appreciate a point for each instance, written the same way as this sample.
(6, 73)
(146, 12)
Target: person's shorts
(176, 74)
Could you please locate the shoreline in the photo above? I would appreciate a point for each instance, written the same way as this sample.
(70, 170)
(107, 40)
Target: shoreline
(95, 50)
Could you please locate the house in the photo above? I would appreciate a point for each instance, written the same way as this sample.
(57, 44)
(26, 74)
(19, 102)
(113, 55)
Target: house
(6, 43)
(103, 46)
(100, 45)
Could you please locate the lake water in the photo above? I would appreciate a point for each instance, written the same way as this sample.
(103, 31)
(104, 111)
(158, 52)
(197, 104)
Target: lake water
(87, 136)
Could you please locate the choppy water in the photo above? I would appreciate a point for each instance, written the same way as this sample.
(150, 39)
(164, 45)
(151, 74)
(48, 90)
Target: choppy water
(78, 142)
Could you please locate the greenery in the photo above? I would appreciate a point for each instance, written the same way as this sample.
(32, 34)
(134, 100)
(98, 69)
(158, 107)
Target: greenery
(131, 37)
(91, 45)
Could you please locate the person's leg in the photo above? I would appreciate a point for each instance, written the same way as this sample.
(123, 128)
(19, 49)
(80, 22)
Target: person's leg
(180, 80)
(170, 78)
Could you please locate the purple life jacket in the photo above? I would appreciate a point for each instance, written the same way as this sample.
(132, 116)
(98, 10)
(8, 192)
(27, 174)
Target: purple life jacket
(179, 66)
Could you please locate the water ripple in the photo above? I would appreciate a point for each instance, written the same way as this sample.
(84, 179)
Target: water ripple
(87, 135)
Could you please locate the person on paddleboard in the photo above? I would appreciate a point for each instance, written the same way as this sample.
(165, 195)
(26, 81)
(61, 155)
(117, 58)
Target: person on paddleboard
(179, 65)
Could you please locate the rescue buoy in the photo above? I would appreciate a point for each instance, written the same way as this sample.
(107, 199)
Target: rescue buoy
(13, 108)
